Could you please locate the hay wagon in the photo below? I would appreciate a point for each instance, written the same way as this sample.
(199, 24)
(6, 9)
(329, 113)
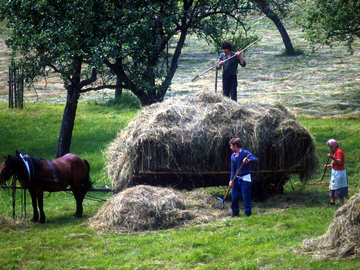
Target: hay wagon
(268, 176)
(183, 142)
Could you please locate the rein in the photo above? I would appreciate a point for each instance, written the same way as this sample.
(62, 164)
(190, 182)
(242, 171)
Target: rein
(23, 198)
(88, 197)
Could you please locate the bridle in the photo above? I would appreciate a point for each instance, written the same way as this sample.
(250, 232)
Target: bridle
(5, 177)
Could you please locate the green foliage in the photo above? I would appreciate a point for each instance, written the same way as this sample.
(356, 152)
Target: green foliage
(138, 41)
(125, 100)
(329, 21)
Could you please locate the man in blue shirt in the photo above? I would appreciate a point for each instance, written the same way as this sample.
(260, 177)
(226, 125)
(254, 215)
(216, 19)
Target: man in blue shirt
(229, 79)
(242, 183)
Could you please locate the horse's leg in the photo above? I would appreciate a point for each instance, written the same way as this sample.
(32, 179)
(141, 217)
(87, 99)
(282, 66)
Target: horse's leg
(79, 197)
(34, 205)
(40, 196)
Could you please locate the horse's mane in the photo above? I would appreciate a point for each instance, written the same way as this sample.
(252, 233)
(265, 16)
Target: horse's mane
(15, 161)
(18, 164)
(37, 163)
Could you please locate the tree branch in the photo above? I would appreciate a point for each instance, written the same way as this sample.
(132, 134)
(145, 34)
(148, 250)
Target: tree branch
(90, 80)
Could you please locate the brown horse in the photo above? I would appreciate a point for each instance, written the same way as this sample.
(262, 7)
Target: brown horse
(39, 175)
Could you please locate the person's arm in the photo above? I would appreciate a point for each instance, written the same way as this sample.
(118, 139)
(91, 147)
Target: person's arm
(338, 161)
(241, 59)
(251, 159)
(233, 170)
(220, 62)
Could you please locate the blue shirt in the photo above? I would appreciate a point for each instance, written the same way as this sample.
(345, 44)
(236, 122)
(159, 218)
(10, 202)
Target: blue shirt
(237, 161)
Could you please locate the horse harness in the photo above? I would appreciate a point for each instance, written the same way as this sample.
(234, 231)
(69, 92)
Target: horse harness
(30, 169)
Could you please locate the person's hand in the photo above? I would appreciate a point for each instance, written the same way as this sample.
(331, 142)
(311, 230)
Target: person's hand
(221, 63)
(246, 160)
(238, 53)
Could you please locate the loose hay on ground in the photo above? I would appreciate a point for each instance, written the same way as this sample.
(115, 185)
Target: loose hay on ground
(342, 238)
(191, 134)
(148, 208)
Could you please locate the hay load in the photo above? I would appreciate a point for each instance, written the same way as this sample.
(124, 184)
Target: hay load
(148, 208)
(183, 142)
(342, 239)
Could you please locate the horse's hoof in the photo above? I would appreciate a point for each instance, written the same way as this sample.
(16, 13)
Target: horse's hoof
(33, 220)
(41, 221)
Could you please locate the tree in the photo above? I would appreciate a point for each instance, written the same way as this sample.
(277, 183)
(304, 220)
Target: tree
(268, 7)
(62, 36)
(147, 28)
(330, 21)
(93, 44)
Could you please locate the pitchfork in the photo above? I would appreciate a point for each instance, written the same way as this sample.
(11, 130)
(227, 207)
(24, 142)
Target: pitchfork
(198, 76)
(232, 181)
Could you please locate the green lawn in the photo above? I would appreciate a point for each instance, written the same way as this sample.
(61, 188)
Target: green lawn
(270, 239)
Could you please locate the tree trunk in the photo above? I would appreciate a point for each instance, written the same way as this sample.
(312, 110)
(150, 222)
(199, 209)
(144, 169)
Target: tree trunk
(272, 16)
(73, 94)
(286, 39)
(159, 95)
(68, 121)
(118, 91)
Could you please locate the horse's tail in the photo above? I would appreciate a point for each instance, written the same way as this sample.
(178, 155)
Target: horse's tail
(87, 184)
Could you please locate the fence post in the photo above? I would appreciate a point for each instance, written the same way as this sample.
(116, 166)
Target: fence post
(11, 104)
(16, 88)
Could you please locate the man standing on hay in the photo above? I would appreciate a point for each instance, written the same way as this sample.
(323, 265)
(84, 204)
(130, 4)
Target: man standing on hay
(338, 182)
(229, 79)
(242, 183)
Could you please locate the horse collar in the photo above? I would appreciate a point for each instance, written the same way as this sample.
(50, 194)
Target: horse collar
(28, 164)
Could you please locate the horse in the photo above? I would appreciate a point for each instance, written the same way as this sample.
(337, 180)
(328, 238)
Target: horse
(39, 175)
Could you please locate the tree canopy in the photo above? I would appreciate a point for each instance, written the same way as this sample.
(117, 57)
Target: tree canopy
(330, 21)
(90, 42)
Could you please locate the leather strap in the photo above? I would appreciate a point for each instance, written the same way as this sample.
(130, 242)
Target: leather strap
(56, 179)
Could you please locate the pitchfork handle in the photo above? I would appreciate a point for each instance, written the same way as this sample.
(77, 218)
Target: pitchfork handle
(197, 76)
(232, 181)
(325, 169)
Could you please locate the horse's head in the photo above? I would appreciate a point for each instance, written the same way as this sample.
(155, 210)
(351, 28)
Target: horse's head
(6, 170)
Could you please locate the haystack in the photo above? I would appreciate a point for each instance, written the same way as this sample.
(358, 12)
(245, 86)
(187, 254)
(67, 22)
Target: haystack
(148, 208)
(188, 136)
(342, 238)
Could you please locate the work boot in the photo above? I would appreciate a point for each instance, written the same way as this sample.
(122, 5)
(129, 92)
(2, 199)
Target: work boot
(248, 213)
(235, 214)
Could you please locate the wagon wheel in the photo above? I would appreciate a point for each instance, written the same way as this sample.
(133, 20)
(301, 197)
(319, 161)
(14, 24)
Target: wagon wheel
(270, 190)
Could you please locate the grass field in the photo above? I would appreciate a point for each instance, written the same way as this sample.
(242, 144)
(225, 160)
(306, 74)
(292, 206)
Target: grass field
(321, 87)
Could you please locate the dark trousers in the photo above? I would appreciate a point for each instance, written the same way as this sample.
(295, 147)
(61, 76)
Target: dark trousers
(229, 86)
(244, 188)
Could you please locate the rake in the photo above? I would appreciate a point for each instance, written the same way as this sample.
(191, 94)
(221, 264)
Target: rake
(321, 181)
(198, 76)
